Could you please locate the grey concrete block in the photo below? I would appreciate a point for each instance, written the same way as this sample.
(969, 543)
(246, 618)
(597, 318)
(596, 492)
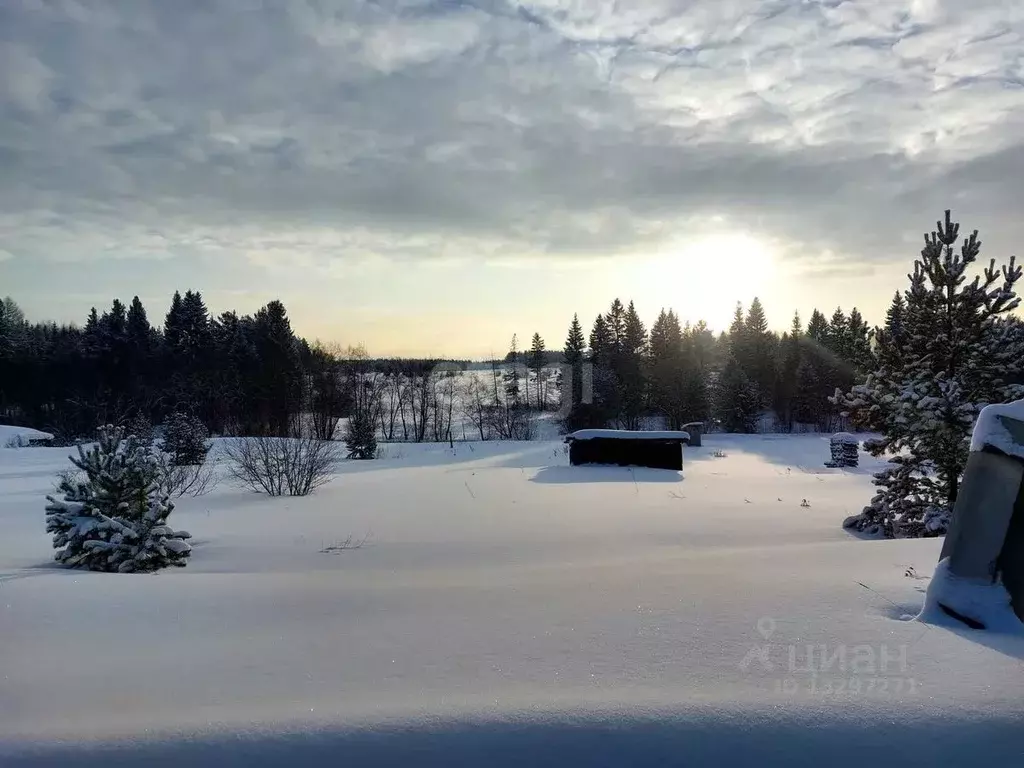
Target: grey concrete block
(982, 514)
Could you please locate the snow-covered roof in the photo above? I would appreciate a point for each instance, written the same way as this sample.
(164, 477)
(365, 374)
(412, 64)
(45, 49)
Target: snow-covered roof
(626, 434)
(22, 434)
(1000, 426)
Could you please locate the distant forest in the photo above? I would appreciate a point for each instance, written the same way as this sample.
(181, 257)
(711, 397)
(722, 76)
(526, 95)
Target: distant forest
(748, 379)
(251, 374)
(239, 374)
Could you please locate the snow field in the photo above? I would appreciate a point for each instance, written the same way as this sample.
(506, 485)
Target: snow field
(496, 585)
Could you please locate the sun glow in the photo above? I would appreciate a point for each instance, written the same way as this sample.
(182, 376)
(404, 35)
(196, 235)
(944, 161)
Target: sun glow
(705, 277)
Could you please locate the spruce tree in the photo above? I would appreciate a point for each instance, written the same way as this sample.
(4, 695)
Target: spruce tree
(791, 357)
(361, 434)
(185, 440)
(758, 353)
(703, 345)
(600, 342)
(615, 320)
(667, 369)
(861, 358)
(756, 322)
(536, 361)
(947, 354)
(630, 369)
(278, 374)
(174, 324)
(634, 333)
(513, 394)
(817, 327)
(141, 363)
(737, 402)
(575, 343)
(837, 337)
(603, 354)
(572, 355)
(696, 399)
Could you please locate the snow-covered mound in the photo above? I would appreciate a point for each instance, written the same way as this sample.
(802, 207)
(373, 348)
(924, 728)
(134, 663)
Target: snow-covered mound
(20, 436)
(1000, 426)
(505, 609)
(979, 600)
(625, 434)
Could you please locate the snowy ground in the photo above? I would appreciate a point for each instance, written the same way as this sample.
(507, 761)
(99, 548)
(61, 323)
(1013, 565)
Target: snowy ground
(505, 609)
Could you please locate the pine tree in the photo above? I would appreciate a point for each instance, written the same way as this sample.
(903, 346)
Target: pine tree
(946, 354)
(116, 518)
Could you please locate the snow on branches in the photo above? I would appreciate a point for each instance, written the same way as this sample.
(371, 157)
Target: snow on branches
(947, 350)
(115, 517)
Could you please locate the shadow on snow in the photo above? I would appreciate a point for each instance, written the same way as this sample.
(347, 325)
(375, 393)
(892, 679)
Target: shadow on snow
(590, 473)
(727, 740)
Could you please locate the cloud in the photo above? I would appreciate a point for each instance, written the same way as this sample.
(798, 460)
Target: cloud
(326, 132)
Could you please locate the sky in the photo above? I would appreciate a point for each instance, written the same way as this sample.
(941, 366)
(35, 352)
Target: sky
(428, 177)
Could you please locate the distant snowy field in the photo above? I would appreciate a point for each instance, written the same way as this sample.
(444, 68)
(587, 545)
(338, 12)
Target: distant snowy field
(506, 609)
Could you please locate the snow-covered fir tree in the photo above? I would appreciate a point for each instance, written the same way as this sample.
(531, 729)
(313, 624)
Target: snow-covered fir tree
(115, 518)
(361, 434)
(944, 354)
(185, 439)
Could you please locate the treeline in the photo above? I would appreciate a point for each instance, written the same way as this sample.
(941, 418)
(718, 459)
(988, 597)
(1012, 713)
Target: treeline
(252, 375)
(747, 379)
(239, 374)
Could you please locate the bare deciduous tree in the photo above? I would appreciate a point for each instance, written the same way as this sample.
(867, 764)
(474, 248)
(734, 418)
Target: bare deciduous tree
(188, 479)
(279, 466)
(326, 393)
(475, 397)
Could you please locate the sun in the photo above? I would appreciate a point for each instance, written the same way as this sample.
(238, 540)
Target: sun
(703, 278)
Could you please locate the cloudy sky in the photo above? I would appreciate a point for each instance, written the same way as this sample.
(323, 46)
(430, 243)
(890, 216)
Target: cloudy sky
(430, 176)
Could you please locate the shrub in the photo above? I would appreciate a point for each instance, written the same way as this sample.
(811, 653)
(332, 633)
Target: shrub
(280, 466)
(186, 479)
(115, 517)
